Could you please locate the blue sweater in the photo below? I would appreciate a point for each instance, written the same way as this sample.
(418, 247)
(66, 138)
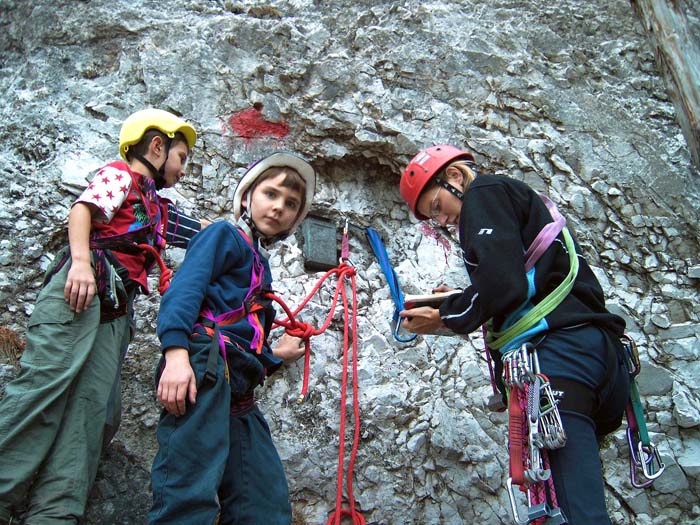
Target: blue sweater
(216, 274)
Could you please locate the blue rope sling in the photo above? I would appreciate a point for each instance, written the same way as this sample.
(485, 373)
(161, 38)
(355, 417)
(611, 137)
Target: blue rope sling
(375, 241)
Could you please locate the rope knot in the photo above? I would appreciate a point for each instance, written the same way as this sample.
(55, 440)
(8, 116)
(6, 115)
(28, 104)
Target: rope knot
(301, 329)
(165, 273)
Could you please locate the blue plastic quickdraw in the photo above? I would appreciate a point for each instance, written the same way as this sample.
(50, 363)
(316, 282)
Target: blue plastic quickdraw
(375, 241)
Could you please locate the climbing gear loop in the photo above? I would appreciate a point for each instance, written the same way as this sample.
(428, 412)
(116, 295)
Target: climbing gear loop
(535, 426)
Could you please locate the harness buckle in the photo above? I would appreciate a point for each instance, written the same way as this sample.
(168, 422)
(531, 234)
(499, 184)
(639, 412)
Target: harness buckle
(209, 378)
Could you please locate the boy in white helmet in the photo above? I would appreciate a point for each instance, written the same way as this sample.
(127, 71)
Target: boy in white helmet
(216, 456)
(53, 415)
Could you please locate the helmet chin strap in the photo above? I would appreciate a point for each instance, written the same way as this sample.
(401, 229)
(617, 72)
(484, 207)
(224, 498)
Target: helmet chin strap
(158, 174)
(154, 172)
(449, 187)
(247, 217)
(454, 191)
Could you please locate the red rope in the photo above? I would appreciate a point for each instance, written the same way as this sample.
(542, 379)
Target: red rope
(520, 456)
(305, 331)
(166, 274)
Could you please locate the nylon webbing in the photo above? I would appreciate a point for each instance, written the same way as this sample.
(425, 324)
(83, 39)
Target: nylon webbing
(498, 340)
(392, 280)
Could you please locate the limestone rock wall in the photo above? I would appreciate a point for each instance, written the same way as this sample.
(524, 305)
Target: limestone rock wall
(564, 96)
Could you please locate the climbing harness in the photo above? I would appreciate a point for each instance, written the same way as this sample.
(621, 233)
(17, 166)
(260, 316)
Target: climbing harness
(256, 299)
(147, 240)
(344, 272)
(535, 425)
(392, 280)
(498, 340)
(645, 463)
(253, 304)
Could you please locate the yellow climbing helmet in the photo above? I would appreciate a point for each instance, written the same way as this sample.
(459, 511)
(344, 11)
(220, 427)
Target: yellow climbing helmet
(138, 123)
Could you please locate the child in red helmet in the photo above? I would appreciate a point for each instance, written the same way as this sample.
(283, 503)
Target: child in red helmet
(53, 415)
(216, 456)
(578, 341)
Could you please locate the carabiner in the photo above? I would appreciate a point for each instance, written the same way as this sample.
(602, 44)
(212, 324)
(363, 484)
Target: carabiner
(651, 459)
(634, 365)
(396, 325)
(645, 458)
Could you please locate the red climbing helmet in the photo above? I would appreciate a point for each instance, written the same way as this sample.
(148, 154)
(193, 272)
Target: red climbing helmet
(424, 167)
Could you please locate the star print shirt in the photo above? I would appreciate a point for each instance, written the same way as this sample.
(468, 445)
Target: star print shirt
(128, 207)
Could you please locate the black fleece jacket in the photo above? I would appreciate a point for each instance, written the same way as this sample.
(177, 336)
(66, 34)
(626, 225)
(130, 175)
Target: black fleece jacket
(500, 218)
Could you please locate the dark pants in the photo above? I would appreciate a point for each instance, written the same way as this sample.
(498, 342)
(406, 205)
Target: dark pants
(211, 462)
(587, 356)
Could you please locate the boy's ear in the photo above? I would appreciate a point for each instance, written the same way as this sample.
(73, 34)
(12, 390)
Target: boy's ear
(156, 145)
(244, 200)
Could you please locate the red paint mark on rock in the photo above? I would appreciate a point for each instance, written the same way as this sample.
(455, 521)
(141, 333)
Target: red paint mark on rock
(250, 124)
(440, 240)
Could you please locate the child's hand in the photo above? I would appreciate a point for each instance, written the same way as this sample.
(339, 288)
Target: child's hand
(177, 381)
(442, 288)
(288, 348)
(422, 320)
(80, 286)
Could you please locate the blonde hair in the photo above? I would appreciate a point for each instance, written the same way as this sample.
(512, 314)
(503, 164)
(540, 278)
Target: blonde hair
(463, 168)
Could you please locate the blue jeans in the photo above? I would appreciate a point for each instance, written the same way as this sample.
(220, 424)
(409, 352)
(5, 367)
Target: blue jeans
(211, 463)
(584, 355)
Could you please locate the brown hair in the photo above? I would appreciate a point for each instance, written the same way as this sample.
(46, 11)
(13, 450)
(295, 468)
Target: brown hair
(141, 147)
(292, 180)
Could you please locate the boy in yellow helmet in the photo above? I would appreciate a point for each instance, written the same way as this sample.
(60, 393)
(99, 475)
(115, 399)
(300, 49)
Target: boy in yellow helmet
(53, 415)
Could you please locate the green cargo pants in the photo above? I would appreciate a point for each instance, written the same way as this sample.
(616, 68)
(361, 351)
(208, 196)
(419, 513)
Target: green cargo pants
(53, 414)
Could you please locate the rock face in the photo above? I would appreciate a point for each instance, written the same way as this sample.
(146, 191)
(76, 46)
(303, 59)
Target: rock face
(565, 96)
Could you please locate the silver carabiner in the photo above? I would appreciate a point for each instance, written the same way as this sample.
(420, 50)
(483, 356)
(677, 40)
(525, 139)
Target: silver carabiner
(652, 457)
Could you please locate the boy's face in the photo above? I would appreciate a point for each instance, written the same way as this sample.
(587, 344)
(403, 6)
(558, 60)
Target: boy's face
(273, 206)
(175, 164)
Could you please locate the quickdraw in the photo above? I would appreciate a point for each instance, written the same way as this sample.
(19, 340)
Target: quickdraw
(645, 463)
(534, 428)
